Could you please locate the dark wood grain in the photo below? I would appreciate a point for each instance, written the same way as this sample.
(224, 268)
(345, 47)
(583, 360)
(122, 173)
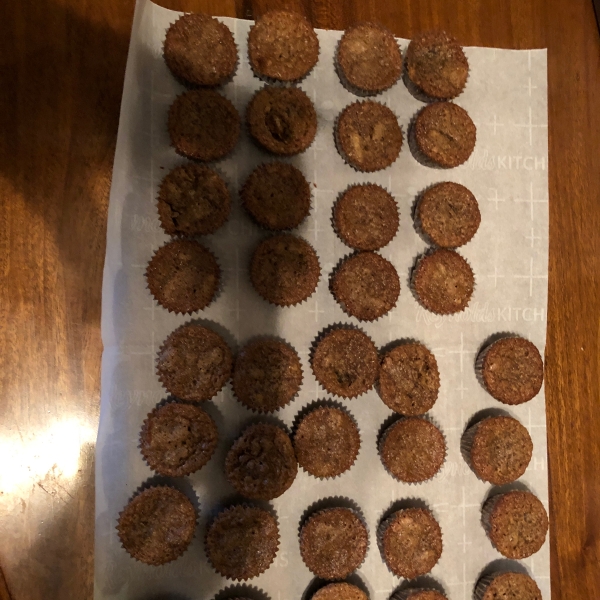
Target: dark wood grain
(61, 75)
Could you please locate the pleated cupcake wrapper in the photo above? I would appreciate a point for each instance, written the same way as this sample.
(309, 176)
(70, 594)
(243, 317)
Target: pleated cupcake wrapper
(485, 578)
(482, 585)
(466, 443)
(321, 335)
(241, 591)
(409, 593)
(486, 514)
(315, 405)
(244, 505)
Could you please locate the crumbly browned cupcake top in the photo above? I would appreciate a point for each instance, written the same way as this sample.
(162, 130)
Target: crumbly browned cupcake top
(501, 449)
(517, 523)
(285, 269)
(178, 439)
(277, 196)
(369, 58)
(261, 464)
(511, 586)
(200, 50)
(203, 125)
(183, 276)
(512, 370)
(409, 380)
(448, 214)
(267, 375)
(282, 120)
(340, 591)
(366, 286)
(422, 594)
(437, 65)
(158, 525)
(368, 136)
(366, 217)
(193, 200)
(345, 362)
(445, 134)
(333, 543)
(194, 363)
(443, 282)
(242, 542)
(413, 450)
(282, 45)
(411, 542)
(326, 442)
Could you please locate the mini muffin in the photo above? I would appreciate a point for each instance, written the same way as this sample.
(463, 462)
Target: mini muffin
(158, 525)
(277, 196)
(333, 543)
(282, 45)
(409, 379)
(507, 586)
(183, 276)
(368, 136)
(512, 370)
(411, 542)
(366, 217)
(194, 363)
(448, 214)
(412, 450)
(178, 439)
(345, 362)
(368, 58)
(443, 282)
(200, 50)
(366, 286)
(241, 542)
(193, 200)
(498, 449)
(203, 125)
(419, 594)
(340, 591)
(436, 65)
(516, 523)
(444, 134)
(282, 120)
(326, 442)
(284, 269)
(267, 375)
(261, 464)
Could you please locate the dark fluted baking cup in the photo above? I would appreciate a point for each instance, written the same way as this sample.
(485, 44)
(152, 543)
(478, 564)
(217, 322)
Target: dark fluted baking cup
(483, 583)
(418, 593)
(421, 158)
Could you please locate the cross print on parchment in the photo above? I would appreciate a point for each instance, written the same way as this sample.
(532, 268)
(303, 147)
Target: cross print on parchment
(531, 200)
(495, 124)
(495, 199)
(530, 125)
(531, 277)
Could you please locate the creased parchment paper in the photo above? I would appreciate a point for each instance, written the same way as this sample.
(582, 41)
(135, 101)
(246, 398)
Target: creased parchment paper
(506, 96)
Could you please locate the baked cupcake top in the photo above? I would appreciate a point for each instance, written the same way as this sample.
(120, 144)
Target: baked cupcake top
(282, 45)
(194, 363)
(517, 523)
(284, 269)
(193, 200)
(506, 586)
(345, 362)
(242, 541)
(445, 134)
(409, 380)
(183, 276)
(340, 591)
(282, 120)
(326, 442)
(422, 594)
(366, 217)
(512, 370)
(368, 58)
(203, 125)
(200, 50)
(261, 464)
(267, 375)
(178, 439)
(368, 136)
(366, 286)
(158, 525)
(333, 543)
(277, 196)
(500, 449)
(443, 282)
(448, 214)
(437, 65)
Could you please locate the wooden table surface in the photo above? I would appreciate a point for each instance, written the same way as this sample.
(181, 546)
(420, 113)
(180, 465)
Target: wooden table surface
(62, 65)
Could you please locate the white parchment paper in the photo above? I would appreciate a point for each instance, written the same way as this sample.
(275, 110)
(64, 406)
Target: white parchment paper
(506, 96)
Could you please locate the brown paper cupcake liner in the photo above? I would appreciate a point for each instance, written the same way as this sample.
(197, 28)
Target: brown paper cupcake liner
(415, 215)
(241, 591)
(423, 583)
(493, 570)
